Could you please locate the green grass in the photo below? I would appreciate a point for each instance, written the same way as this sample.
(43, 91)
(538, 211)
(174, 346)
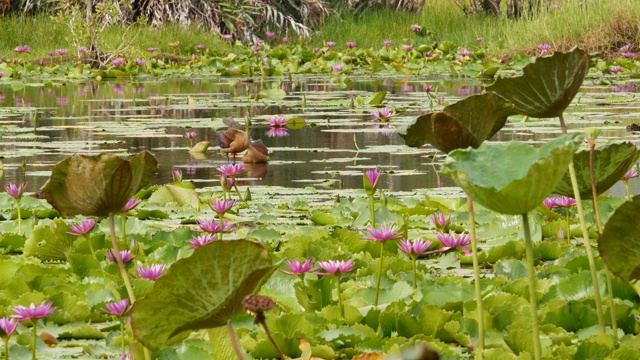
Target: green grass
(601, 25)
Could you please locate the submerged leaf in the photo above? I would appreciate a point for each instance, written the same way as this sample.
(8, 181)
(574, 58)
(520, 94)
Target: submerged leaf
(511, 178)
(619, 244)
(97, 185)
(611, 162)
(547, 86)
(202, 291)
(464, 124)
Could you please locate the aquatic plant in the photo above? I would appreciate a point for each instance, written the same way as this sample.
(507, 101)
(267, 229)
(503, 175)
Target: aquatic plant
(31, 314)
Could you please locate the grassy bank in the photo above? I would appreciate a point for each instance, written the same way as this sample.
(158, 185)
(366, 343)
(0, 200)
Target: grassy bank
(600, 25)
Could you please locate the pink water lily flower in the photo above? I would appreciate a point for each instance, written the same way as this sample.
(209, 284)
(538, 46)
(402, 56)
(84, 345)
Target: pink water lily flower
(151, 50)
(33, 312)
(277, 121)
(117, 308)
(633, 172)
(125, 255)
(150, 272)
(333, 267)
(176, 175)
(201, 240)
(15, 191)
(221, 206)
(382, 114)
(387, 43)
(82, 229)
(62, 51)
(117, 62)
(214, 226)
(227, 37)
(190, 134)
(351, 44)
(296, 267)
(415, 247)
(231, 170)
(269, 35)
(407, 47)
(439, 221)
(450, 241)
(330, 44)
(277, 132)
(385, 233)
(615, 69)
(131, 204)
(8, 325)
(544, 48)
(23, 49)
(416, 27)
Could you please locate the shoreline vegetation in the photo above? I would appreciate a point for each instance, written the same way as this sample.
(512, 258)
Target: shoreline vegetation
(599, 27)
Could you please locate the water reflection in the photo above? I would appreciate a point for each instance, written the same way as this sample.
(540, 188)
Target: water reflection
(340, 140)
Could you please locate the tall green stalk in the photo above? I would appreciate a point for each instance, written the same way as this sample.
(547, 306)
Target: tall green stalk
(234, 340)
(375, 301)
(6, 348)
(124, 230)
(372, 211)
(533, 300)
(587, 242)
(116, 255)
(596, 211)
(476, 278)
(340, 305)
(33, 342)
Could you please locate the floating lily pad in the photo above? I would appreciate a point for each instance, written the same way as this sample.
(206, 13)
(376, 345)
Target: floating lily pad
(511, 178)
(201, 291)
(466, 123)
(97, 185)
(611, 163)
(547, 86)
(619, 244)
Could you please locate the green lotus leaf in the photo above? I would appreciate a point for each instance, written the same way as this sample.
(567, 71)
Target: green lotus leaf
(201, 291)
(49, 241)
(97, 185)
(511, 178)
(464, 124)
(547, 86)
(619, 244)
(611, 163)
(174, 193)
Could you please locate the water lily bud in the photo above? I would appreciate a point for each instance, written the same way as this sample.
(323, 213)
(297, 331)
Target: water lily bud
(592, 133)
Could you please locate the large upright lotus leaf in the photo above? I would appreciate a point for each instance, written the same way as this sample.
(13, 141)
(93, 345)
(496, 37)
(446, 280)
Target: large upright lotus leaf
(611, 162)
(511, 178)
(619, 244)
(464, 124)
(201, 291)
(547, 86)
(97, 185)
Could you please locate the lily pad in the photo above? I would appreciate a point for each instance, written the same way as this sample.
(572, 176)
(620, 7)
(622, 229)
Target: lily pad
(201, 291)
(547, 86)
(511, 178)
(611, 163)
(619, 244)
(181, 195)
(97, 185)
(466, 123)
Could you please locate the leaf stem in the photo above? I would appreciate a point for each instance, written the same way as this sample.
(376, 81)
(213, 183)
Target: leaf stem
(587, 242)
(476, 277)
(596, 211)
(116, 255)
(533, 300)
(375, 301)
(124, 231)
(234, 341)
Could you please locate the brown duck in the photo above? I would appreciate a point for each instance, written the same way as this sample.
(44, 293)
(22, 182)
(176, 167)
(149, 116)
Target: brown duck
(234, 140)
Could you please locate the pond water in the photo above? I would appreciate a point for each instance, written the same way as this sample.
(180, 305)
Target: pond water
(127, 116)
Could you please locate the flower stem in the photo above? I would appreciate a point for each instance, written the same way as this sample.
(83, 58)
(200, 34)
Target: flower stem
(372, 211)
(476, 277)
(587, 241)
(33, 343)
(116, 255)
(124, 231)
(533, 301)
(234, 341)
(375, 301)
(273, 341)
(220, 216)
(237, 191)
(19, 218)
(566, 214)
(340, 296)
(415, 281)
(6, 348)
(626, 186)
